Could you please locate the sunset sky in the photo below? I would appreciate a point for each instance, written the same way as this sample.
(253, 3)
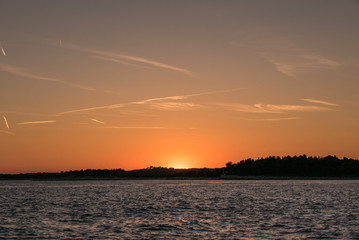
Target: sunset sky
(132, 84)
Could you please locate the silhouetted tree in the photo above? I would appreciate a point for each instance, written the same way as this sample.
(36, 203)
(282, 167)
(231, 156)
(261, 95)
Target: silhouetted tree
(296, 166)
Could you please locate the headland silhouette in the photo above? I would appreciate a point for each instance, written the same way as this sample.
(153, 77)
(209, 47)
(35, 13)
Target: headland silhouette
(267, 168)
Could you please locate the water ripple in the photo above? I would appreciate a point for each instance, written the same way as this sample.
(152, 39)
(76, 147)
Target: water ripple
(167, 209)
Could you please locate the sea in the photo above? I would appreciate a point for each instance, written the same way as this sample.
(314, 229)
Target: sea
(180, 209)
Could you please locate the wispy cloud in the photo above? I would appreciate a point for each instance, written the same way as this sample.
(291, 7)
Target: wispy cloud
(298, 108)
(23, 73)
(301, 63)
(3, 51)
(117, 57)
(115, 60)
(98, 121)
(6, 123)
(157, 64)
(272, 108)
(287, 58)
(113, 106)
(7, 132)
(175, 106)
(183, 97)
(147, 127)
(25, 113)
(242, 107)
(146, 101)
(37, 122)
(320, 102)
(272, 119)
(160, 99)
(132, 127)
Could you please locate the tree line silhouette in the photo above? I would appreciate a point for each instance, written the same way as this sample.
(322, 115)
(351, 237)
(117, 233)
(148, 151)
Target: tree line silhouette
(296, 166)
(150, 172)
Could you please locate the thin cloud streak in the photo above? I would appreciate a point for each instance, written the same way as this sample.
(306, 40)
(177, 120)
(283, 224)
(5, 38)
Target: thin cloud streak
(146, 101)
(320, 102)
(300, 108)
(98, 121)
(7, 132)
(37, 122)
(157, 64)
(3, 51)
(6, 123)
(159, 99)
(134, 127)
(301, 63)
(124, 57)
(175, 106)
(287, 58)
(242, 108)
(182, 97)
(22, 73)
(145, 127)
(273, 119)
(25, 113)
(271, 108)
(119, 61)
(114, 106)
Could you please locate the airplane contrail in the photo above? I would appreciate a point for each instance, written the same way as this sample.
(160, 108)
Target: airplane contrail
(118, 56)
(319, 102)
(7, 124)
(36, 122)
(135, 127)
(23, 73)
(146, 101)
(3, 51)
(119, 61)
(7, 132)
(98, 121)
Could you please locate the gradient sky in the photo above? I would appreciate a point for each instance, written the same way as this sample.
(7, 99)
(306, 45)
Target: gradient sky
(133, 84)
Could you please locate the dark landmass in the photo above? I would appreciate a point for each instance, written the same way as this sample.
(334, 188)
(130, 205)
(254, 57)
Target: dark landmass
(112, 174)
(297, 167)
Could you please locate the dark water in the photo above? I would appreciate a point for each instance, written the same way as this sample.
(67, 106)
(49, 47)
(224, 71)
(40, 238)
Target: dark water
(168, 209)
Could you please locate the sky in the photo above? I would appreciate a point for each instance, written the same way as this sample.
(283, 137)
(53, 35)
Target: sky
(132, 84)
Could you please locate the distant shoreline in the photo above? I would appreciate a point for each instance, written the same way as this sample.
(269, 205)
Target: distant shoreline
(224, 178)
(270, 168)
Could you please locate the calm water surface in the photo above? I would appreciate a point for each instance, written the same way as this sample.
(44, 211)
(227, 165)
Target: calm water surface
(169, 209)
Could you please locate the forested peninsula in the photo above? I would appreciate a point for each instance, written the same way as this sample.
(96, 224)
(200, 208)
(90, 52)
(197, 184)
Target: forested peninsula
(296, 167)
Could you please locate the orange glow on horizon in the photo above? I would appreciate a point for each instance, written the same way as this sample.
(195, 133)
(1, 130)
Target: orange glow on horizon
(180, 163)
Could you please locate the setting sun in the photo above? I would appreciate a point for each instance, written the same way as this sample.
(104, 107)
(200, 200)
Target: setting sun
(180, 163)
